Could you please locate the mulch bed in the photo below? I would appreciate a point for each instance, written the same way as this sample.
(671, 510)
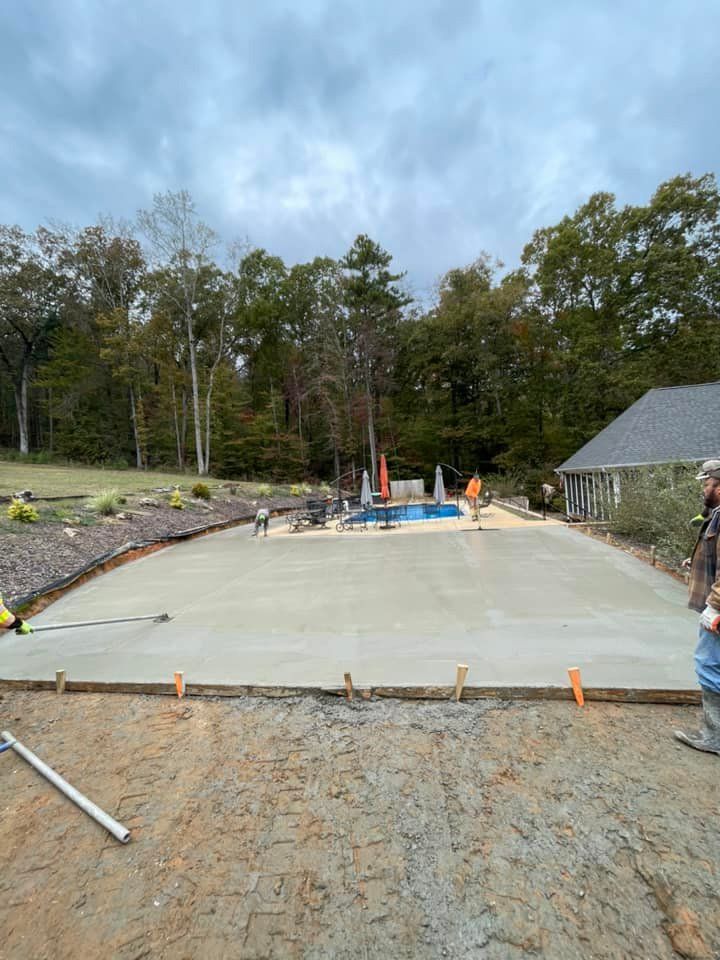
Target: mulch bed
(35, 555)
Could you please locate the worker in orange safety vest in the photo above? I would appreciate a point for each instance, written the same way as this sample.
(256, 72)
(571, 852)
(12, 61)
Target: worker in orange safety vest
(472, 492)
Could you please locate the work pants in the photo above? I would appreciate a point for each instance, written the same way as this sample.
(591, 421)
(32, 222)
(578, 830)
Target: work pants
(707, 659)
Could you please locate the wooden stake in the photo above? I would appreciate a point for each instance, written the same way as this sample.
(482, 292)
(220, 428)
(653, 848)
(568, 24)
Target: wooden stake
(348, 686)
(60, 681)
(608, 538)
(574, 674)
(180, 683)
(652, 555)
(462, 672)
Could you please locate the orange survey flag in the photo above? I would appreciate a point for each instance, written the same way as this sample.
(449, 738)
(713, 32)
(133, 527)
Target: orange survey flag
(472, 490)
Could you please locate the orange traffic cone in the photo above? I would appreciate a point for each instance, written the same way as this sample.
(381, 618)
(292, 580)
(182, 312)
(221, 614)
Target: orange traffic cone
(180, 683)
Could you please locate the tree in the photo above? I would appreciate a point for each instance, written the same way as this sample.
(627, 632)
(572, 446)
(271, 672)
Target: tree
(34, 288)
(318, 381)
(183, 241)
(111, 265)
(374, 303)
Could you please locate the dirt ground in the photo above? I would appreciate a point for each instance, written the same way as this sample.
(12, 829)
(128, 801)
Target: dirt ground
(318, 828)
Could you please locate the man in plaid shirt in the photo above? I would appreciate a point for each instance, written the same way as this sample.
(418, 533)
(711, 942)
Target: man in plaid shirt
(704, 596)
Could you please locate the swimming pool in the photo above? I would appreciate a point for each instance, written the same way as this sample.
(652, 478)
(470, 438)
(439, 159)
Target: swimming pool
(410, 512)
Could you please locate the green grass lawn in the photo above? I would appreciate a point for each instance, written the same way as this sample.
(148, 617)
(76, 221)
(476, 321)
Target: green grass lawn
(47, 480)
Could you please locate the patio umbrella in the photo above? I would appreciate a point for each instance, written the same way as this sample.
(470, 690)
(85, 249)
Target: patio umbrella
(365, 492)
(384, 485)
(439, 491)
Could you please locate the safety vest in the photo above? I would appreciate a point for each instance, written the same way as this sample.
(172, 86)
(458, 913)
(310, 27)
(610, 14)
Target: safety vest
(472, 490)
(6, 617)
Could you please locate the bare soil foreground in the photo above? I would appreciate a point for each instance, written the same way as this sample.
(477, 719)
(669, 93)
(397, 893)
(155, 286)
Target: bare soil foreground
(318, 828)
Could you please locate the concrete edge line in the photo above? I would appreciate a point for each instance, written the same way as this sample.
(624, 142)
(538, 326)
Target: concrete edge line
(599, 694)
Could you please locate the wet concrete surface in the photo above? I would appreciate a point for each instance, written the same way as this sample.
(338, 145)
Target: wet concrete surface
(518, 605)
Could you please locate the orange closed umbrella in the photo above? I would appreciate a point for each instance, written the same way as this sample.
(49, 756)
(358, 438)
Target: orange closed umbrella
(384, 484)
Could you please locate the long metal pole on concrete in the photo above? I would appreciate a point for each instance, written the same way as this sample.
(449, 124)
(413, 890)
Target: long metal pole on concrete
(157, 617)
(120, 832)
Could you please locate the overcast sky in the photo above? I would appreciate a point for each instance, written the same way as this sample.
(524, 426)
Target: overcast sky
(441, 129)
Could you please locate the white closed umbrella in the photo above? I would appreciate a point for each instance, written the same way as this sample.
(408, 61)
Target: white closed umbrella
(439, 491)
(365, 492)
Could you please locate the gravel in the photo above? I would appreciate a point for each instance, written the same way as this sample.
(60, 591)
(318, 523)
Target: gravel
(33, 556)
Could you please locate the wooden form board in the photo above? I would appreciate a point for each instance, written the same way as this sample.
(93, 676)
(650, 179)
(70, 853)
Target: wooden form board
(608, 694)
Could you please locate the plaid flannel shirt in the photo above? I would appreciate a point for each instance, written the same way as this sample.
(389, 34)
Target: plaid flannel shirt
(704, 584)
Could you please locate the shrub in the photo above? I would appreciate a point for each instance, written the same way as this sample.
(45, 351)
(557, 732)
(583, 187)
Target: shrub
(176, 500)
(295, 490)
(306, 489)
(656, 507)
(201, 491)
(505, 484)
(264, 490)
(106, 503)
(325, 488)
(22, 512)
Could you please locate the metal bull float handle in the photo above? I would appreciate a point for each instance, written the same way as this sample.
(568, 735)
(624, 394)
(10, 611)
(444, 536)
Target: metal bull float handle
(157, 617)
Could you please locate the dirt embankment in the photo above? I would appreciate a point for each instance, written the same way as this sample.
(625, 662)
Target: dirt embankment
(321, 829)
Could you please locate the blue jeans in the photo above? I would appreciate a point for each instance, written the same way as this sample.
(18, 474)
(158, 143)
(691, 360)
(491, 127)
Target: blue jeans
(707, 659)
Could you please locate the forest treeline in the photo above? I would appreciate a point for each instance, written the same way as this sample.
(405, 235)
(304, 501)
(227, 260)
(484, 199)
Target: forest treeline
(136, 344)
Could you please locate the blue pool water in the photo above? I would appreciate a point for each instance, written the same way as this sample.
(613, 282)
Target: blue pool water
(412, 511)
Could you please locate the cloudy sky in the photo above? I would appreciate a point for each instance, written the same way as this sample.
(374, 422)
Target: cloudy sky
(441, 129)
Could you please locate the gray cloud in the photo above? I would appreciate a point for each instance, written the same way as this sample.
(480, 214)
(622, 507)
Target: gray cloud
(439, 129)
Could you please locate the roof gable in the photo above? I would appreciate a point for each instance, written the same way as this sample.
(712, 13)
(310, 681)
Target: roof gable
(666, 425)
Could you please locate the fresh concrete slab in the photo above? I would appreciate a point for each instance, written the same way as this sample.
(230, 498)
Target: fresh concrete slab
(518, 604)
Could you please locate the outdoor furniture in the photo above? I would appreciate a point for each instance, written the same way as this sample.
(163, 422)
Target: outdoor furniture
(352, 521)
(315, 514)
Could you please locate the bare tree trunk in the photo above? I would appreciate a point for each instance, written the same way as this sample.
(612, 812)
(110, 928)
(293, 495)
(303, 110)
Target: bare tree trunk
(207, 429)
(136, 434)
(201, 465)
(371, 431)
(183, 425)
(50, 418)
(178, 442)
(208, 395)
(21, 403)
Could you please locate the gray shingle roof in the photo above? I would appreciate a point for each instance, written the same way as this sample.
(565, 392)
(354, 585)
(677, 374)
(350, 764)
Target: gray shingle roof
(666, 425)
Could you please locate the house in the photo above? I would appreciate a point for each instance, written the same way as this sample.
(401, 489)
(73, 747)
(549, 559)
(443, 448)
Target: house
(666, 425)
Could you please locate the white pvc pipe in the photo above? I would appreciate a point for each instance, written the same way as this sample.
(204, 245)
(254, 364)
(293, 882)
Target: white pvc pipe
(120, 832)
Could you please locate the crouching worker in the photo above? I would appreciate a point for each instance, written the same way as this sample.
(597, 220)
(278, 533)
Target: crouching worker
(262, 519)
(9, 621)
